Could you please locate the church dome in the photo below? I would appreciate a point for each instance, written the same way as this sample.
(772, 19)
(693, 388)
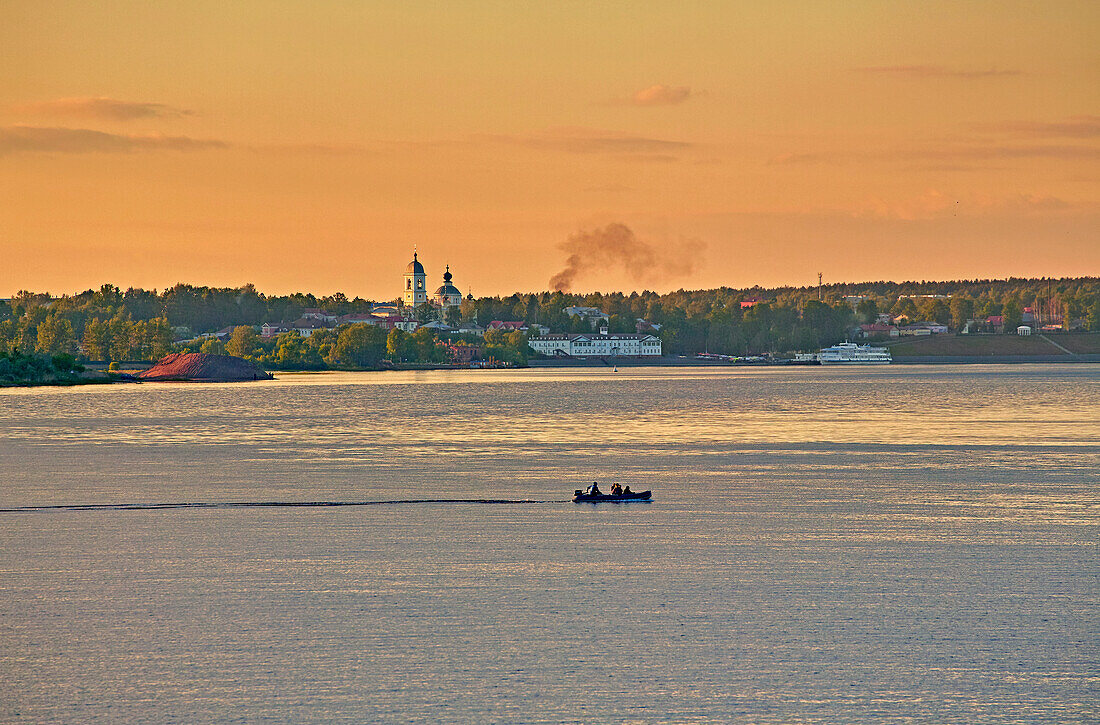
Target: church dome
(447, 289)
(414, 266)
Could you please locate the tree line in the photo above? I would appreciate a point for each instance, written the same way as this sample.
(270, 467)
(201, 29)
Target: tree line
(136, 324)
(17, 368)
(358, 346)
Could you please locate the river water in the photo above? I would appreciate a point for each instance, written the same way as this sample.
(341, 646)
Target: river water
(895, 544)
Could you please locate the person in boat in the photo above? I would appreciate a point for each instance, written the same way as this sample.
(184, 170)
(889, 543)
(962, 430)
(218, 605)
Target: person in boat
(593, 490)
(626, 491)
(616, 489)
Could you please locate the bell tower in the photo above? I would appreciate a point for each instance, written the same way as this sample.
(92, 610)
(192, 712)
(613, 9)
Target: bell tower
(416, 291)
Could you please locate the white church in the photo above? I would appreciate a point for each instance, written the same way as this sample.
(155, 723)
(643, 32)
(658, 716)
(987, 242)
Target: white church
(416, 288)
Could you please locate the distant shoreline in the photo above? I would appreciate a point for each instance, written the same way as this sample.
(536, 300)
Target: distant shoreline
(663, 362)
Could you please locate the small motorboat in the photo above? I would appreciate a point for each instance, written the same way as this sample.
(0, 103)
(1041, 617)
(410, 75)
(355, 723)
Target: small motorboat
(580, 496)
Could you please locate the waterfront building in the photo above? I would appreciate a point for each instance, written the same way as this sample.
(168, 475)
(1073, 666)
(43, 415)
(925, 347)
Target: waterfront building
(597, 345)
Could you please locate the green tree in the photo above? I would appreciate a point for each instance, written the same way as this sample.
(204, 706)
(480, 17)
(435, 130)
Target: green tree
(397, 345)
(26, 335)
(934, 310)
(361, 345)
(243, 341)
(424, 312)
(989, 308)
(867, 310)
(1072, 309)
(290, 350)
(962, 309)
(213, 346)
(55, 335)
(1092, 318)
(516, 342)
(1014, 316)
(97, 340)
(159, 335)
(120, 333)
(139, 341)
(904, 306)
(452, 315)
(425, 346)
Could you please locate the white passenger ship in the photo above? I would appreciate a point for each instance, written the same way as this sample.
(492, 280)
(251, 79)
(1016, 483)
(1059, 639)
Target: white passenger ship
(847, 353)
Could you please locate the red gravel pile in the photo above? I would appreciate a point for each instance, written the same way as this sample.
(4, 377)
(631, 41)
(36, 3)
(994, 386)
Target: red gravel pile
(200, 367)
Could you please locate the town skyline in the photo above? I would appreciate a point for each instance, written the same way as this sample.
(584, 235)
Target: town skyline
(726, 144)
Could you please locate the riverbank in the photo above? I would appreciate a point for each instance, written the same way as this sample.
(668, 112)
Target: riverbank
(631, 362)
(993, 359)
(63, 383)
(972, 349)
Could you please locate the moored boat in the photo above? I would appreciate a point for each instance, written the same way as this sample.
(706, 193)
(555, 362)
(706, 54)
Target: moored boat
(846, 353)
(580, 496)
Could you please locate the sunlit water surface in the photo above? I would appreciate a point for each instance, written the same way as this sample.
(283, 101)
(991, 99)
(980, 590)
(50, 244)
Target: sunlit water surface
(903, 544)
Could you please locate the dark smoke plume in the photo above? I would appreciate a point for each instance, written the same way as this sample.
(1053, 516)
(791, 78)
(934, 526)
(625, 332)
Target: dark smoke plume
(615, 246)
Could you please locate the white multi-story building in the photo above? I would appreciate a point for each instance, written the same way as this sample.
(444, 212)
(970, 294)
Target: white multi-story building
(602, 345)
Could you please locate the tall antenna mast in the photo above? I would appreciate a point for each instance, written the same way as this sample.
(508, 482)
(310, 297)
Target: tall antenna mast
(819, 286)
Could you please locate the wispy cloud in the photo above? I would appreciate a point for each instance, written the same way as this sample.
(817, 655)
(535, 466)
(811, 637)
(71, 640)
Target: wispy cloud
(938, 71)
(590, 141)
(1004, 151)
(660, 95)
(793, 158)
(37, 139)
(102, 108)
(936, 204)
(949, 153)
(319, 149)
(1072, 127)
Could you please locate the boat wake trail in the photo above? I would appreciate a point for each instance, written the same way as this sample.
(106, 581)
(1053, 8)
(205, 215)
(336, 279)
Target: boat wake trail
(260, 504)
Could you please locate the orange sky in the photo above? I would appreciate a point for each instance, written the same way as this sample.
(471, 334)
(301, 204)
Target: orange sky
(308, 146)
